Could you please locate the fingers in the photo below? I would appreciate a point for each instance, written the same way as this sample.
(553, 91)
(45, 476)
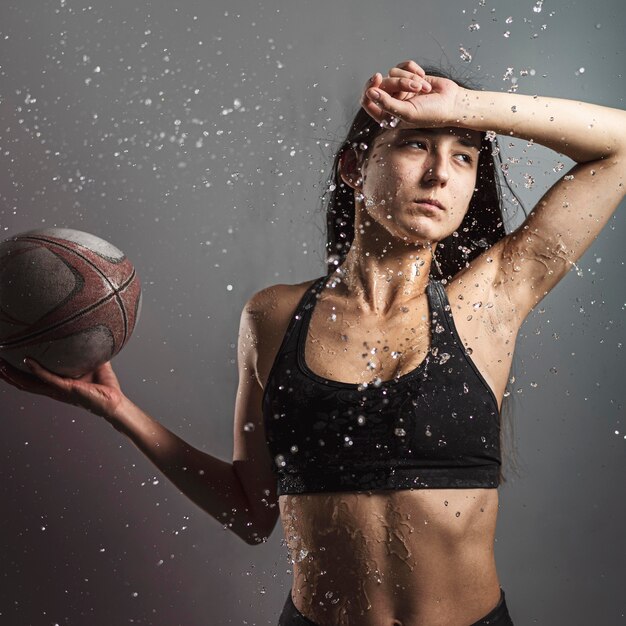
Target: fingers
(64, 389)
(412, 66)
(46, 375)
(411, 84)
(374, 81)
(371, 108)
(384, 104)
(106, 376)
(26, 382)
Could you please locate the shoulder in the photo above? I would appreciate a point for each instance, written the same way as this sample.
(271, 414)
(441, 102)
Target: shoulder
(264, 322)
(272, 304)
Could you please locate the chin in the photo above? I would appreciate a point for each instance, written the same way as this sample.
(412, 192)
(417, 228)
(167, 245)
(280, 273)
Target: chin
(411, 234)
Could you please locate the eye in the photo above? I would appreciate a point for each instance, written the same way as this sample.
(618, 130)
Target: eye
(414, 143)
(467, 158)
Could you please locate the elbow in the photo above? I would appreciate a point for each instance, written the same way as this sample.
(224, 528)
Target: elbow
(261, 531)
(257, 537)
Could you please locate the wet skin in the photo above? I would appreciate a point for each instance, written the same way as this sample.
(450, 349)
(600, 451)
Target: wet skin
(395, 558)
(403, 557)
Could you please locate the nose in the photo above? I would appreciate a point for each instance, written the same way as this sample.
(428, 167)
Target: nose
(437, 171)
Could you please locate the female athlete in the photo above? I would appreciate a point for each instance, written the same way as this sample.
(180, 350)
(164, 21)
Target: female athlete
(367, 415)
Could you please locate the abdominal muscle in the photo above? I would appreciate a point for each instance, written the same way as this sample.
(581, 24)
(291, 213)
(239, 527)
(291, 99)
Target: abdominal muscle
(393, 558)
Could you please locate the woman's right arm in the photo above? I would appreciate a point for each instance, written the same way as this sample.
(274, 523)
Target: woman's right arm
(212, 484)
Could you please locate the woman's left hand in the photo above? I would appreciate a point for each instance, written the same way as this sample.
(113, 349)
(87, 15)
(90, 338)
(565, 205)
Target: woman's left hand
(408, 98)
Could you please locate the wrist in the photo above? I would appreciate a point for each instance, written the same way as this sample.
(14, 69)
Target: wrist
(120, 417)
(460, 115)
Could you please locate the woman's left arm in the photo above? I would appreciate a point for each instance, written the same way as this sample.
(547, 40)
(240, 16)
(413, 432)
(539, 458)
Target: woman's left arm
(531, 260)
(571, 214)
(584, 132)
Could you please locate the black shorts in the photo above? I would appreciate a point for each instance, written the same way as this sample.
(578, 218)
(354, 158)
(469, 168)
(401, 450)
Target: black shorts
(499, 616)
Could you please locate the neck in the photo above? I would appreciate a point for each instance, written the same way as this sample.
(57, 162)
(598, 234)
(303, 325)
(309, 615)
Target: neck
(383, 282)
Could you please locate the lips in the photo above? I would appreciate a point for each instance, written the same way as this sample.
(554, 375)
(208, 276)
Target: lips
(433, 203)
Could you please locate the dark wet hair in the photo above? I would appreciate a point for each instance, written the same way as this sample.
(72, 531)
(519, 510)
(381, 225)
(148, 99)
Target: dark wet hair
(482, 226)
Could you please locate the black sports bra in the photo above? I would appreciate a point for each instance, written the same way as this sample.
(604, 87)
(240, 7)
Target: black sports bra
(435, 427)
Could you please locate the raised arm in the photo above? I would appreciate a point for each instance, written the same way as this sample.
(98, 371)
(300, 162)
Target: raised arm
(220, 488)
(571, 214)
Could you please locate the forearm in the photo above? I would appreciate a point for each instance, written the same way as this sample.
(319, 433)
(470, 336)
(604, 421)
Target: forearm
(582, 131)
(209, 482)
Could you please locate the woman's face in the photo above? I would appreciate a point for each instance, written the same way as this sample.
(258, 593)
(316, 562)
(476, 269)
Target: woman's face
(406, 166)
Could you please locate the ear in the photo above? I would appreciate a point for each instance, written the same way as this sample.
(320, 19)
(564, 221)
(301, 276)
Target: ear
(350, 164)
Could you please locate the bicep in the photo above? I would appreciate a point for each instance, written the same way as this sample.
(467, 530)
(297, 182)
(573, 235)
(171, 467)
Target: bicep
(251, 458)
(557, 232)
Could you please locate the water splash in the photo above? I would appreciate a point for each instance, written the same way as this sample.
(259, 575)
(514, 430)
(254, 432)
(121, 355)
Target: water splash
(465, 55)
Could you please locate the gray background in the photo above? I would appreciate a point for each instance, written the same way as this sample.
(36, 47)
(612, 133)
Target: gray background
(196, 137)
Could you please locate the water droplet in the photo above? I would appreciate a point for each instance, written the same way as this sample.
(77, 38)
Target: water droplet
(347, 441)
(465, 55)
(248, 427)
(428, 431)
(361, 419)
(294, 449)
(474, 26)
(465, 388)
(279, 459)
(538, 6)
(458, 514)
(399, 432)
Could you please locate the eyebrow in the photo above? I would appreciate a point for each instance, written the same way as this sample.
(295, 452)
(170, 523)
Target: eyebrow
(464, 141)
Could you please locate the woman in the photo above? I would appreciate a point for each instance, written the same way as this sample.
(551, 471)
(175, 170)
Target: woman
(373, 394)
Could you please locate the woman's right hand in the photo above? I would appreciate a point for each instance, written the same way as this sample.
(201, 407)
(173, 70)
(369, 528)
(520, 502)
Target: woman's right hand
(409, 98)
(99, 391)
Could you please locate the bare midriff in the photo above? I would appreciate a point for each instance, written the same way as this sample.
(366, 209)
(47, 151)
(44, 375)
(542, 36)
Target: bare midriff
(393, 558)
